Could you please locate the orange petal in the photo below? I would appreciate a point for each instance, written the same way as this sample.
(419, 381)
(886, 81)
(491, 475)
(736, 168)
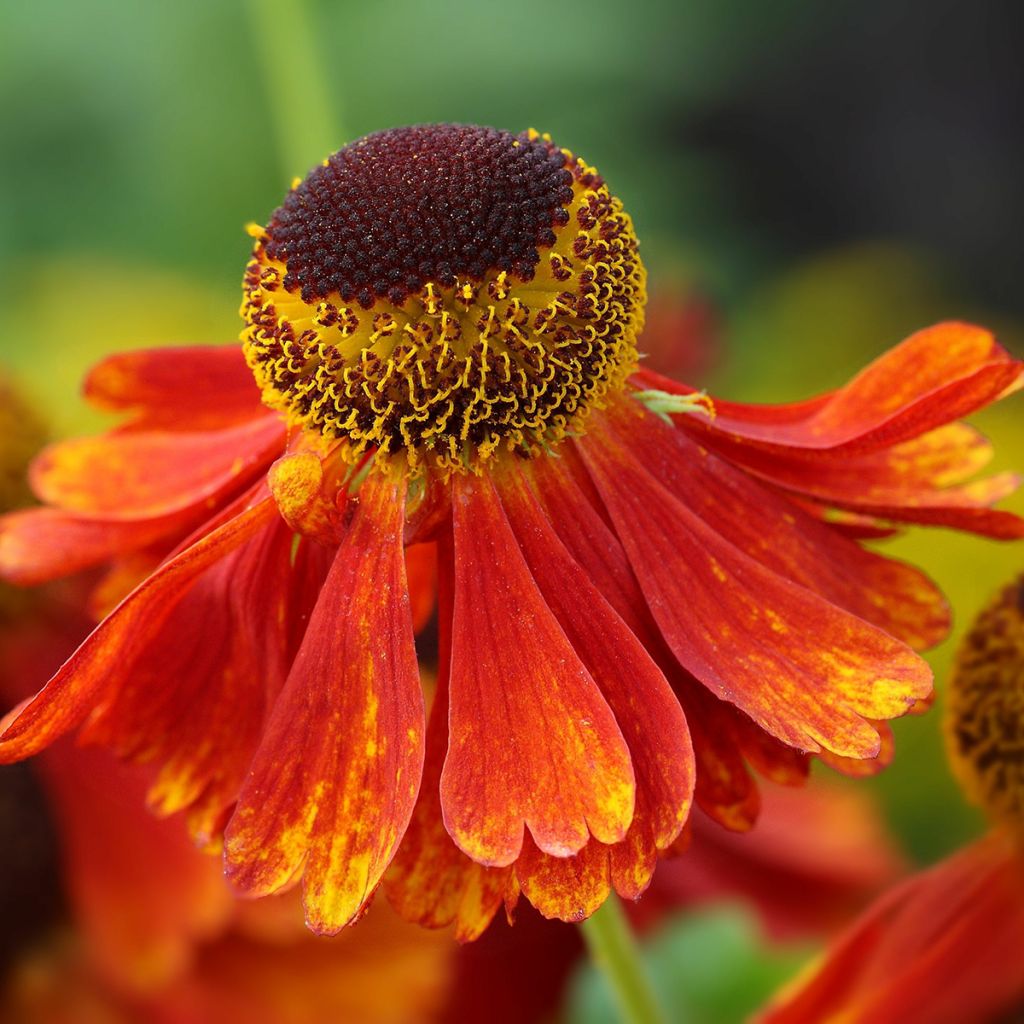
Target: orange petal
(566, 888)
(185, 388)
(646, 709)
(895, 484)
(431, 881)
(531, 740)
(334, 782)
(82, 682)
(861, 769)
(932, 378)
(893, 596)
(803, 669)
(146, 475)
(309, 507)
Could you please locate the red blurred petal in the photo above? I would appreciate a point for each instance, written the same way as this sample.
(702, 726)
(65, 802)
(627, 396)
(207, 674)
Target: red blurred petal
(82, 683)
(817, 854)
(531, 740)
(146, 475)
(803, 669)
(142, 895)
(334, 782)
(421, 570)
(682, 334)
(183, 388)
(42, 544)
(514, 975)
(193, 702)
(942, 948)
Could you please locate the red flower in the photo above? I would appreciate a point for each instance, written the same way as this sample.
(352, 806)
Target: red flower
(946, 945)
(636, 600)
(943, 947)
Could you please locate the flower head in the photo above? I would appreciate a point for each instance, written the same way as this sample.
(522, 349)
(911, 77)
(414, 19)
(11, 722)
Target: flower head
(442, 293)
(637, 600)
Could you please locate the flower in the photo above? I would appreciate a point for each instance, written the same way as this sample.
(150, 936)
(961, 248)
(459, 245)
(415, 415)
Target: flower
(818, 854)
(640, 590)
(945, 945)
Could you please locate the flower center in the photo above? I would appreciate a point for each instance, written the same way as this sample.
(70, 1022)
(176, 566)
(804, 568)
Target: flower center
(985, 710)
(443, 293)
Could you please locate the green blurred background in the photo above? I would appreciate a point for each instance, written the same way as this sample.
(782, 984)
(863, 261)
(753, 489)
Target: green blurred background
(827, 177)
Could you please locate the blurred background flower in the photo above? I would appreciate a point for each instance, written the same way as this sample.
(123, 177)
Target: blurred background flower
(814, 182)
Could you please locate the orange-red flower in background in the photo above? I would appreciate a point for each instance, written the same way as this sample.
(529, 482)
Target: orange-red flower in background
(947, 945)
(637, 600)
(817, 855)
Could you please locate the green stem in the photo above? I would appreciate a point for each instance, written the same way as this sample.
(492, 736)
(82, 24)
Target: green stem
(301, 108)
(615, 952)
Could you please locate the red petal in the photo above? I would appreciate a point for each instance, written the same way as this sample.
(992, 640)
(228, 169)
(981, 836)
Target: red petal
(723, 786)
(725, 789)
(187, 388)
(531, 740)
(800, 667)
(431, 881)
(934, 377)
(194, 701)
(82, 682)
(334, 782)
(646, 709)
(145, 475)
(896, 597)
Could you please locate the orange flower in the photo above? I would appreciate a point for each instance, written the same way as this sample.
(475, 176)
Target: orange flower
(946, 945)
(640, 591)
